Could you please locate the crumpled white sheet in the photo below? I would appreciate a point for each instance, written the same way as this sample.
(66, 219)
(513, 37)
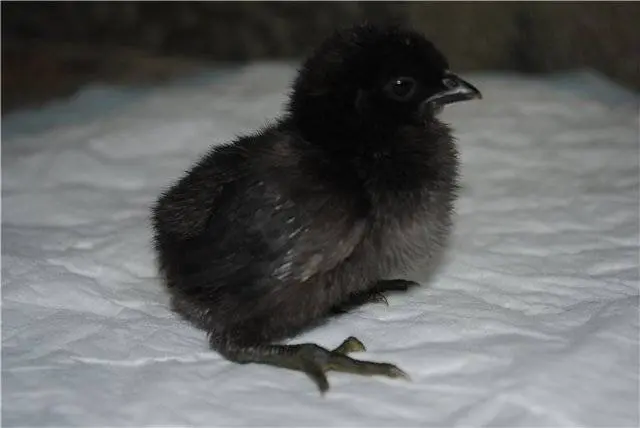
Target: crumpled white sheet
(532, 321)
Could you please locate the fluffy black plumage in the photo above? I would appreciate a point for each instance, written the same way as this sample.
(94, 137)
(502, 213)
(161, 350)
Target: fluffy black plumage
(354, 185)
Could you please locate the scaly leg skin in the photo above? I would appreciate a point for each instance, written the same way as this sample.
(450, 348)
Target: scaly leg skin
(375, 294)
(315, 360)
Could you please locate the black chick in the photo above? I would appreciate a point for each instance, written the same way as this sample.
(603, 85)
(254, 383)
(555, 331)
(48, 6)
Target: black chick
(351, 187)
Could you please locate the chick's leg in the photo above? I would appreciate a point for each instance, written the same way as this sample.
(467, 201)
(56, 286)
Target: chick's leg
(375, 294)
(314, 360)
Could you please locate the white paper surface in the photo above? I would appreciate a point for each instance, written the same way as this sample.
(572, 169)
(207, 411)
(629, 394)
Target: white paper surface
(532, 321)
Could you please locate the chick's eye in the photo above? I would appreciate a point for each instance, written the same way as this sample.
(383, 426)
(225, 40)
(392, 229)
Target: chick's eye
(401, 88)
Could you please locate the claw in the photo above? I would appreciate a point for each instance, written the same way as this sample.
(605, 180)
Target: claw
(379, 298)
(398, 373)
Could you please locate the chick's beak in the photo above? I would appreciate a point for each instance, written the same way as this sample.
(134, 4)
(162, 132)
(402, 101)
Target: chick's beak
(455, 89)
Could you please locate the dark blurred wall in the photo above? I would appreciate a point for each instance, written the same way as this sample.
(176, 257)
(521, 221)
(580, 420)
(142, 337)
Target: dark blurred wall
(81, 41)
(220, 30)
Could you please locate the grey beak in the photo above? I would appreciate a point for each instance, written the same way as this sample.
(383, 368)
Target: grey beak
(455, 89)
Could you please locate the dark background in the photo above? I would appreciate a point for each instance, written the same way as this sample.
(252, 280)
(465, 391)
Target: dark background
(50, 49)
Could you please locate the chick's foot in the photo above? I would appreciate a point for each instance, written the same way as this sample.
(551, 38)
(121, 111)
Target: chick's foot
(315, 361)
